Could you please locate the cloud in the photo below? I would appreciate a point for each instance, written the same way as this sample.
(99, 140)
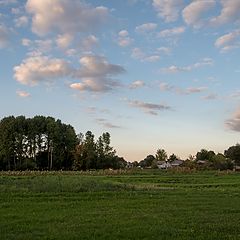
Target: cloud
(229, 13)
(192, 13)
(137, 53)
(7, 2)
(105, 123)
(4, 36)
(191, 90)
(23, 94)
(137, 84)
(123, 38)
(164, 50)
(146, 27)
(64, 16)
(176, 69)
(168, 9)
(35, 70)
(234, 122)
(172, 32)
(228, 41)
(64, 40)
(149, 108)
(210, 97)
(89, 42)
(21, 21)
(165, 87)
(96, 74)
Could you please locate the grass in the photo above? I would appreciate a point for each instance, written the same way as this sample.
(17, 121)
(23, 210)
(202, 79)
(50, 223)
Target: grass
(120, 205)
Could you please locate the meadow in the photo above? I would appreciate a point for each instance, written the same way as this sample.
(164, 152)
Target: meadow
(142, 204)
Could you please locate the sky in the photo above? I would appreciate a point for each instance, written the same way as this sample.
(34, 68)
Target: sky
(152, 73)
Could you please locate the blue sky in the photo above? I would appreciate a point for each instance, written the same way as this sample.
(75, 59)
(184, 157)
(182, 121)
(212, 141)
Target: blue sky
(153, 73)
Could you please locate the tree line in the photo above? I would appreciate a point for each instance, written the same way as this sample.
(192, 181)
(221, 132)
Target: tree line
(44, 143)
(204, 159)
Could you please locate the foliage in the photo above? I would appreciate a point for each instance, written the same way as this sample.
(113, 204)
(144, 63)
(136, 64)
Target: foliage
(221, 162)
(233, 153)
(36, 143)
(147, 161)
(161, 155)
(205, 155)
(91, 154)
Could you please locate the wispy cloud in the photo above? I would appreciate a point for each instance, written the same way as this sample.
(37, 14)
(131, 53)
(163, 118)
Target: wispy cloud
(137, 84)
(146, 27)
(105, 123)
(228, 41)
(138, 54)
(171, 32)
(176, 69)
(149, 108)
(23, 94)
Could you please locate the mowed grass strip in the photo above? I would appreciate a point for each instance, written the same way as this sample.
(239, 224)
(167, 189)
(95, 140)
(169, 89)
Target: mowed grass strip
(138, 205)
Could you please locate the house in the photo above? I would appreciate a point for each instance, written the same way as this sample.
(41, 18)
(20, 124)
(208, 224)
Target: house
(163, 164)
(166, 164)
(176, 163)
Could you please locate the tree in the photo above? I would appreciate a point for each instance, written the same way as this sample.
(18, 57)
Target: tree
(233, 153)
(161, 155)
(172, 158)
(205, 155)
(147, 161)
(220, 162)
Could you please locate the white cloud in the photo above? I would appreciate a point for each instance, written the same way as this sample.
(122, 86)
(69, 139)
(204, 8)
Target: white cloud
(4, 36)
(26, 42)
(234, 122)
(165, 87)
(124, 40)
(23, 94)
(149, 108)
(176, 69)
(153, 58)
(137, 84)
(164, 50)
(229, 13)
(137, 53)
(123, 33)
(171, 32)
(64, 16)
(168, 9)
(21, 21)
(34, 70)
(228, 41)
(146, 27)
(64, 40)
(192, 13)
(96, 74)
(89, 42)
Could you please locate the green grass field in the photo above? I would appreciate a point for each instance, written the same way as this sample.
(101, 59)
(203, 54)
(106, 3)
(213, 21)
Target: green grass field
(142, 204)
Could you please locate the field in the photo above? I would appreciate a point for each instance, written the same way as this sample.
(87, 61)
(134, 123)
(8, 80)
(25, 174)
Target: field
(144, 204)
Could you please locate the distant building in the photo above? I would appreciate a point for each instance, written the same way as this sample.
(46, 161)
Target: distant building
(166, 164)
